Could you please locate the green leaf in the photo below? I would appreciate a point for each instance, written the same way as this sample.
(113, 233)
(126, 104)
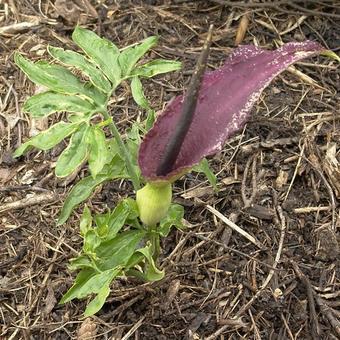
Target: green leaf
(140, 99)
(131, 54)
(118, 251)
(102, 51)
(46, 103)
(102, 227)
(79, 193)
(49, 138)
(138, 94)
(132, 207)
(204, 167)
(77, 60)
(98, 302)
(117, 219)
(126, 211)
(133, 143)
(135, 259)
(85, 221)
(81, 279)
(82, 262)
(172, 219)
(330, 54)
(80, 117)
(152, 273)
(54, 77)
(150, 120)
(75, 153)
(98, 153)
(84, 188)
(91, 242)
(156, 67)
(89, 283)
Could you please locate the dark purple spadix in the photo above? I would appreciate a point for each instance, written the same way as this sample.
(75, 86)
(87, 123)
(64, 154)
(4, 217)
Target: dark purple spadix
(225, 99)
(174, 145)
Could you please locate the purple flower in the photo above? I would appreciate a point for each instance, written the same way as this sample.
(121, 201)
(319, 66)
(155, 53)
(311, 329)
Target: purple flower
(225, 100)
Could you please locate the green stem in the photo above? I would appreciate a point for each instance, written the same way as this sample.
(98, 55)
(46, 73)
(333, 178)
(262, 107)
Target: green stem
(128, 161)
(155, 242)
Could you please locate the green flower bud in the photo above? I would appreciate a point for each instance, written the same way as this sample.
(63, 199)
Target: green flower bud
(153, 202)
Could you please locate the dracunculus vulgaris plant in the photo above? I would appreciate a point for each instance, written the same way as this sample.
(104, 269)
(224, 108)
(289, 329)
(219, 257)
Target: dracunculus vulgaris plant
(125, 241)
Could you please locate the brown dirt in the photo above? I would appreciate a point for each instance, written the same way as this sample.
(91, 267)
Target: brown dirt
(278, 182)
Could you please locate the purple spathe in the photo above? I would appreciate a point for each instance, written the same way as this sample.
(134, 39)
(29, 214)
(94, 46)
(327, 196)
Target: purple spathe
(224, 103)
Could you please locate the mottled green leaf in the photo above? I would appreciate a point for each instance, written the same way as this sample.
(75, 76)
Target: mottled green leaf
(75, 153)
(54, 77)
(77, 60)
(156, 67)
(98, 153)
(49, 138)
(131, 54)
(46, 103)
(172, 219)
(102, 51)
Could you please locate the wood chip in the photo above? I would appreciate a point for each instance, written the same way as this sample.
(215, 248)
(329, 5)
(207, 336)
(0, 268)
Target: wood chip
(19, 27)
(242, 29)
(87, 330)
(235, 227)
(30, 200)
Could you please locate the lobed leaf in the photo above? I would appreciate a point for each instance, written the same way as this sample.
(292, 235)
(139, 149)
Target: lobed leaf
(77, 60)
(47, 139)
(102, 51)
(46, 103)
(75, 153)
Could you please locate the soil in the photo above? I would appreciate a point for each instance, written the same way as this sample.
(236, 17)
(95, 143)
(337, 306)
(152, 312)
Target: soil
(278, 181)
